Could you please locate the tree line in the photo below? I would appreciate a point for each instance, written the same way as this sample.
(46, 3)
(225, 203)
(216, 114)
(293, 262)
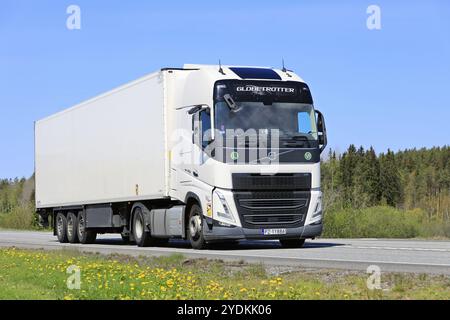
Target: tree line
(408, 179)
(357, 178)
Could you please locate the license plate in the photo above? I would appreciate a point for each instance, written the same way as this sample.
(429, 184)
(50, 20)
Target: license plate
(273, 232)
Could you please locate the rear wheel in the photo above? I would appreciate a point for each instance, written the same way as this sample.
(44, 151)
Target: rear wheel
(72, 226)
(84, 235)
(195, 228)
(61, 228)
(142, 237)
(292, 243)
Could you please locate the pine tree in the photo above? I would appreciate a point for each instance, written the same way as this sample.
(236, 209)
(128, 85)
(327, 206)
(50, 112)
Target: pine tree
(372, 177)
(389, 179)
(347, 170)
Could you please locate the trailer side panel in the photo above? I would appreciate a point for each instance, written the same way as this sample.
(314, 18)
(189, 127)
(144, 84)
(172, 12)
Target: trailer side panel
(108, 149)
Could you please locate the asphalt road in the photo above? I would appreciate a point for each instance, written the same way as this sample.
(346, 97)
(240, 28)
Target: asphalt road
(351, 254)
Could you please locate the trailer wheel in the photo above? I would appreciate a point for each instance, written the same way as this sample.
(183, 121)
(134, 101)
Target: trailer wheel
(72, 228)
(292, 243)
(195, 228)
(85, 236)
(61, 228)
(142, 237)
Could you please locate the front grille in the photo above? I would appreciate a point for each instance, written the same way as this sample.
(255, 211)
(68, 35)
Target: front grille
(294, 181)
(271, 204)
(286, 209)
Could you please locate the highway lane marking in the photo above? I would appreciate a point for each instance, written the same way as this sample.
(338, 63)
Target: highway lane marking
(228, 254)
(338, 245)
(347, 246)
(398, 248)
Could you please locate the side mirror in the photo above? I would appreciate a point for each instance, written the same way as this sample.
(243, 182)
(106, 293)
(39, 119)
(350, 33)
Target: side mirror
(321, 130)
(321, 140)
(195, 109)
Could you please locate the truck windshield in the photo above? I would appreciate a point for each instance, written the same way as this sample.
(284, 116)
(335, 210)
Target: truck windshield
(292, 120)
(256, 107)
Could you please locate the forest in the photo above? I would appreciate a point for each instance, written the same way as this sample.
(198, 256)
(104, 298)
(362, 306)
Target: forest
(393, 194)
(406, 180)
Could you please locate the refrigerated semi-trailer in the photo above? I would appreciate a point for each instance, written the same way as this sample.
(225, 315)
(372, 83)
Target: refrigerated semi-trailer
(204, 153)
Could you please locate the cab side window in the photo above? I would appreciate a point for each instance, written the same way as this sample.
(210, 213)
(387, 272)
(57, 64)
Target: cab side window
(205, 120)
(201, 128)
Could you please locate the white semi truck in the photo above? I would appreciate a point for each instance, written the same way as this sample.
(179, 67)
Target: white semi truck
(204, 153)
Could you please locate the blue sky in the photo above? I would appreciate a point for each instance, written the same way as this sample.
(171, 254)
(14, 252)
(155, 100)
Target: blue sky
(388, 88)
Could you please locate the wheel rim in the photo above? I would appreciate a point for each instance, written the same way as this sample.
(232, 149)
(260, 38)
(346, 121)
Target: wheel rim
(69, 226)
(60, 225)
(138, 227)
(81, 226)
(195, 227)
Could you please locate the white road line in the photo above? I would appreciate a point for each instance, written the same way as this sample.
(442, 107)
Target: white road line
(398, 248)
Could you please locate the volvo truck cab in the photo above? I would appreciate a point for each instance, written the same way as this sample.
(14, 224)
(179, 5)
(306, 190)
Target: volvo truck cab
(249, 167)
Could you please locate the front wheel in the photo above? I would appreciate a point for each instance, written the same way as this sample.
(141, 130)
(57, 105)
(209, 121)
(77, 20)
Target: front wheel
(195, 228)
(292, 243)
(142, 237)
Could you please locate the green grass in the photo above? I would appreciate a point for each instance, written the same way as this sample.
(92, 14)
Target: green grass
(382, 222)
(42, 275)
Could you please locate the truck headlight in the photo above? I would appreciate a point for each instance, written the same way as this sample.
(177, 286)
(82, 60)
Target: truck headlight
(318, 208)
(226, 212)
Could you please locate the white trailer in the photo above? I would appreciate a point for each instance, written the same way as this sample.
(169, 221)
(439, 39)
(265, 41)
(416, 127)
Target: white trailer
(163, 157)
(103, 149)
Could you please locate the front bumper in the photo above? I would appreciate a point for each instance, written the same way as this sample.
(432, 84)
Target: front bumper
(213, 232)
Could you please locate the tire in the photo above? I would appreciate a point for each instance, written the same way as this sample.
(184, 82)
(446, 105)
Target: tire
(141, 237)
(85, 236)
(61, 228)
(292, 243)
(195, 228)
(72, 228)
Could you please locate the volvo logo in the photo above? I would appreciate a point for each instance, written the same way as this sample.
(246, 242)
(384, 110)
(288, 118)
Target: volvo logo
(308, 156)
